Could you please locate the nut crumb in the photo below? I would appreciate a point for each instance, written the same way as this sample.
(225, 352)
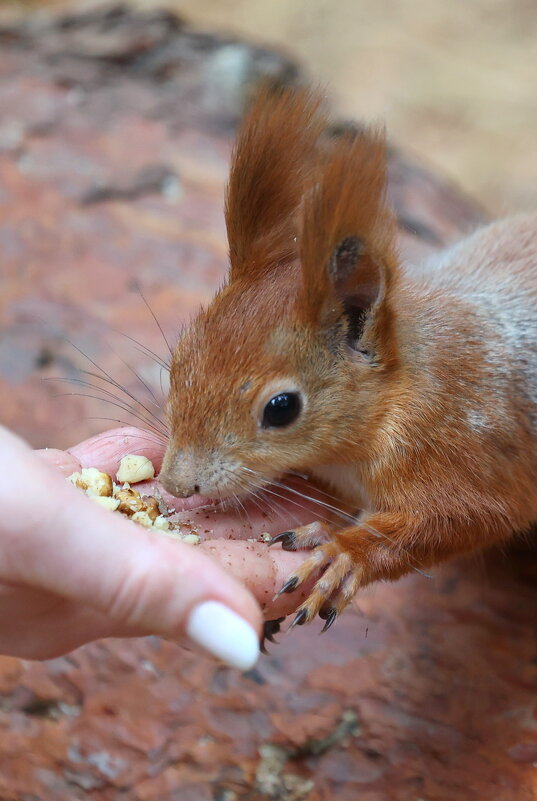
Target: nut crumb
(92, 481)
(143, 519)
(149, 511)
(161, 523)
(103, 500)
(191, 539)
(130, 501)
(133, 468)
(151, 507)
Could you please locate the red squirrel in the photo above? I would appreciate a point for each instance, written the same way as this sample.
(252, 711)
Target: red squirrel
(410, 391)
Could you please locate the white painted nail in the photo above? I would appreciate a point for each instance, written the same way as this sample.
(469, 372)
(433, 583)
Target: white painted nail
(224, 634)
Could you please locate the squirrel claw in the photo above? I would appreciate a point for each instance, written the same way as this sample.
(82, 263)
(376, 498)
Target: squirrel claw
(301, 617)
(329, 617)
(290, 585)
(339, 578)
(287, 539)
(302, 538)
(270, 628)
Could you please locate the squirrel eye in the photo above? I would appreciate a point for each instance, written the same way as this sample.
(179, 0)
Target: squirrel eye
(281, 410)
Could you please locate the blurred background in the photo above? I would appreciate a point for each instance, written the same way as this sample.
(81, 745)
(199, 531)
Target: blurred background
(455, 82)
(115, 133)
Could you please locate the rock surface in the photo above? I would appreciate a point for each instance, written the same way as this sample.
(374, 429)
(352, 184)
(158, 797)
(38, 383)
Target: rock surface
(115, 136)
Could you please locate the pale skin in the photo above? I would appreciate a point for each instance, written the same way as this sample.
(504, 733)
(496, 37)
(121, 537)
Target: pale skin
(72, 572)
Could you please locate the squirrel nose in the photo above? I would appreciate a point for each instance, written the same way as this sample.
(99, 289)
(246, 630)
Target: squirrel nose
(183, 473)
(178, 474)
(177, 489)
(186, 492)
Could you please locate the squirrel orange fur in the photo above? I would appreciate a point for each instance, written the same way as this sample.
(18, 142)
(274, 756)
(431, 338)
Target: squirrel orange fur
(409, 390)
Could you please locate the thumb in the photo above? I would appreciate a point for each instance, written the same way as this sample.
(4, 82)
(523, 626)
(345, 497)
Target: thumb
(61, 541)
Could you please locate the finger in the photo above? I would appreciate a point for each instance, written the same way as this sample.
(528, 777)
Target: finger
(50, 626)
(61, 460)
(36, 624)
(263, 570)
(63, 542)
(107, 449)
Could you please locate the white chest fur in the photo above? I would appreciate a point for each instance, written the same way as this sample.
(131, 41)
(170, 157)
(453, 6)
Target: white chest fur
(344, 480)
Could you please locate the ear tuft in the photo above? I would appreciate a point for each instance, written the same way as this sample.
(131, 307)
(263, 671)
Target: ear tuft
(347, 242)
(271, 165)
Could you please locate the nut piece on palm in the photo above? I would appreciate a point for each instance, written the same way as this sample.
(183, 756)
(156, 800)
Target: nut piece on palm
(130, 501)
(105, 501)
(93, 481)
(145, 510)
(134, 468)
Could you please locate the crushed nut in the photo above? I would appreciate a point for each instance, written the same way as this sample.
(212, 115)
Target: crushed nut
(151, 506)
(191, 539)
(146, 510)
(108, 503)
(134, 468)
(92, 481)
(130, 501)
(143, 519)
(176, 534)
(161, 523)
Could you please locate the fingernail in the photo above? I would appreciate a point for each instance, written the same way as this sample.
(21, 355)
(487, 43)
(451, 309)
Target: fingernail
(224, 634)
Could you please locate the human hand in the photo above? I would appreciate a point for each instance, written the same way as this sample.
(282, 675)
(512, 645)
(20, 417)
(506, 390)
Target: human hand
(72, 572)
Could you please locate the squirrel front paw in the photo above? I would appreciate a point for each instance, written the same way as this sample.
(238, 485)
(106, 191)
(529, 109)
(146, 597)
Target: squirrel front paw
(339, 580)
(345, 560)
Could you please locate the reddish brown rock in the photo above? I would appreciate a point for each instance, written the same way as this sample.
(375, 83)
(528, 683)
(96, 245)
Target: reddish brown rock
(114, 139)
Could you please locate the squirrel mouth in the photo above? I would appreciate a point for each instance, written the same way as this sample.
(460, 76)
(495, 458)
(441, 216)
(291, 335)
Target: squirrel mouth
(291, 495)
(195, 502)
(292, 488)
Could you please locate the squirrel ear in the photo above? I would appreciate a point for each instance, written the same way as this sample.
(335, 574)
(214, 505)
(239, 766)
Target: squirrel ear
(352, 272)
(347, 243)
(270, 167)
(357, 282)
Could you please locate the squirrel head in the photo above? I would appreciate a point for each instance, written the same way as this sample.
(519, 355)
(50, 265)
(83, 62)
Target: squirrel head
(287, 367)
